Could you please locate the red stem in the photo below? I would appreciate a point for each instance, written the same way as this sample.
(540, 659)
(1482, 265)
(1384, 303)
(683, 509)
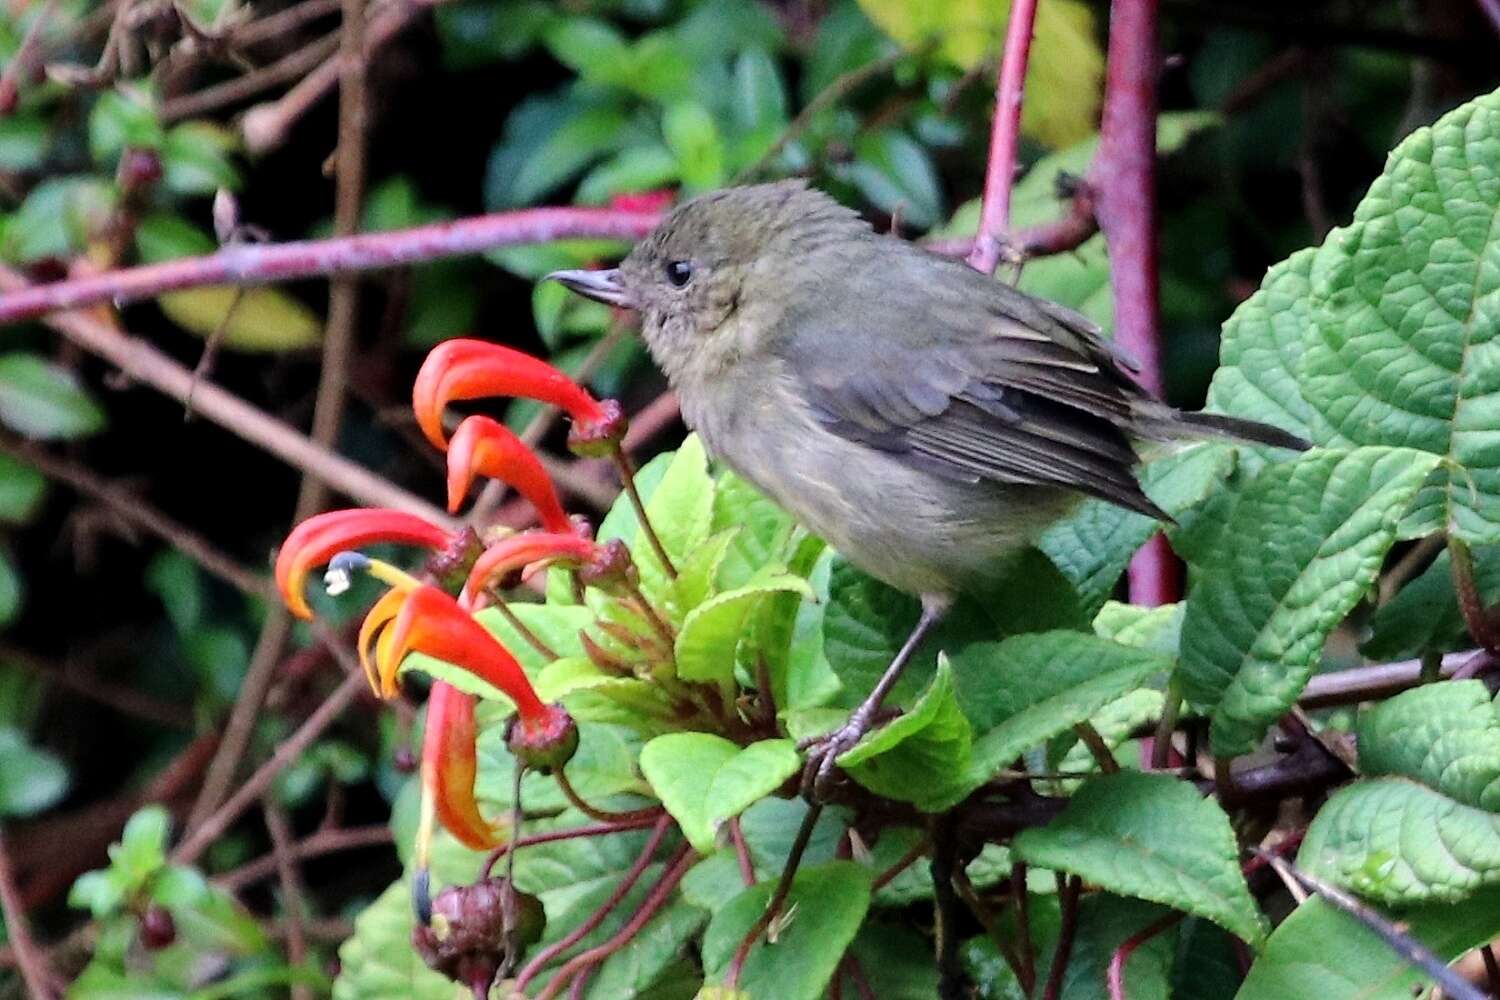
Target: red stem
(1116, 974)
(571, 833)
(1124, 185)
(1005, 135)
(251, 264)
(681, 861)
(742, 852)
(597, 917)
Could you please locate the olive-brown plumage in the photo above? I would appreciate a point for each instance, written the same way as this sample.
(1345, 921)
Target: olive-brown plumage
(925, 419)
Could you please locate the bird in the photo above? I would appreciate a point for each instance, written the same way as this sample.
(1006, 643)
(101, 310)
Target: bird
(926, 420)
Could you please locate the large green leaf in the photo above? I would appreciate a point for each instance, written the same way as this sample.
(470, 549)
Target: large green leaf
(21, 490)
(827, 904)
(1400, 842)
(1424, 615)
(1035, 687)
(705, 780)
(1301, 545)
(1320, 953)
(1405, 349)
(921, 757)
(1446, 736)
(681, 511)
(1153, 837)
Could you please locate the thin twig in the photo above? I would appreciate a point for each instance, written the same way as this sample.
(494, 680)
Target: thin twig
(627, 479)
(1068, 888)
(29, 957)
(677, 867)
(294, 899)
(594, 812)
(282, 23)
(315, 845)
(1470, 601)
(26, 58)
(289, 67)
(1005, 137)
(259, 264)
(841, 86)
(1102, 754)
(129, 507)
(122, 698)
(1409, 948)
(197, 841)
(944, 866)
(144, 363)
(742, 852)
(1022, 899)
(621, 890)
(522, 629)
(1161, 740)
(1115, 976)
(778, 896)
(570, 833)
(211, 349)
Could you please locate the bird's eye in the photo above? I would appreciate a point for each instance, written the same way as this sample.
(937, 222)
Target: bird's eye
(679, 272)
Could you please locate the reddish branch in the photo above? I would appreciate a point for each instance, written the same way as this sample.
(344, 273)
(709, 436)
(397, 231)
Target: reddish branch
(30, 958)
(1115, 976)
(250, 264)
(1005, 135)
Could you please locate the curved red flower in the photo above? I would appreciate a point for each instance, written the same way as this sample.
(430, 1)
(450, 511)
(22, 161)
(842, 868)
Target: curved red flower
(510, 554)
(320, 538)
(472, 369)
(486, 447)
(449, 765)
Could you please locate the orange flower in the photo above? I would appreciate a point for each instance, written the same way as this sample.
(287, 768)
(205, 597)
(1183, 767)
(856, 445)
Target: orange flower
(320, 538)
(485, 447)
(449, 765)
(526, 549)
(473, 369)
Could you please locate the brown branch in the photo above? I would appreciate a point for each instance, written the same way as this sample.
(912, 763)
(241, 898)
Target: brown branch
(283, 22)
(289, 67)
(145, 363)
(1349, 687)
(1005, 138)
(267, 126)
(294, 899)
(128, 506)
(26, 59)
(198, 840)
(778, 896)
(29, 957)
(121, 697)
(315, 845)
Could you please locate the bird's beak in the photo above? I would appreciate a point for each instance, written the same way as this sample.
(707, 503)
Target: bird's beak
(601, 286)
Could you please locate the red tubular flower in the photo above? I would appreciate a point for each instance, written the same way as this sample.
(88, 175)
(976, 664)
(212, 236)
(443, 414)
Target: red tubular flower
(318, 539)
(449, 766)
(485, 447)
(510, 554)
(472, 369)
(431, 622)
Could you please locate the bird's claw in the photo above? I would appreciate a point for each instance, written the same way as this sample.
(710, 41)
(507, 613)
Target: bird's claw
(823, 755)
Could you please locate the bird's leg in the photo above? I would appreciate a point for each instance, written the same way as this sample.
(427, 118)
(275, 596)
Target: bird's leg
(822, 756)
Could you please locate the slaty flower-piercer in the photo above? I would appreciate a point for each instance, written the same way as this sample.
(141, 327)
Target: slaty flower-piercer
(927, 420)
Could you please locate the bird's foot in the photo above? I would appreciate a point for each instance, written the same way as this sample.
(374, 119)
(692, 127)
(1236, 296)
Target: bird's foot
(823, 753)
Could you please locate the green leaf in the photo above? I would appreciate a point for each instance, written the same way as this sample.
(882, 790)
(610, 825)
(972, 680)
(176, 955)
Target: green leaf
(1036, 687)
(262, 319)
(23, 142)
(764, 529)
(31, 779)
(1158, 629)
(636, 168)
(710, 632)
(697, 573)
(1424, 615)
(1406, 317)
(681, 510)
(693, 137)
(639, 965)
(11, 589)
(43, 400)
(1115, 723)
(196, 159)
(705, 780)
(1320, 953)
(896, 174)
(1093, 545)
(176, 579)
(759, 98)
(1260, 352)
(591, 48)
(549, 140)
(57, 218)
(122, 117)
(922, 756)
(1400, 842)
(1301, 545)
(827, 904)
(379, 963)
(1446, 736)
(1153, 837)
(1066, 68)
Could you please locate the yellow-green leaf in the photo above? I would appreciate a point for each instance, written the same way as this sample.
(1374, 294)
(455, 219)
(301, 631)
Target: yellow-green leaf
(264, 320)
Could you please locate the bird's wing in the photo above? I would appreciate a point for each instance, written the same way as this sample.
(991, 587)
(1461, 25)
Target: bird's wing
(971, 380)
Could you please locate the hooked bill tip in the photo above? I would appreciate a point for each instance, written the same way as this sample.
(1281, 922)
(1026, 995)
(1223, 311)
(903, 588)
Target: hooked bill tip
(602, 286)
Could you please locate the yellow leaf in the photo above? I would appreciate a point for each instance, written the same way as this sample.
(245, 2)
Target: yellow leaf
(1065, 74)
(264, 320)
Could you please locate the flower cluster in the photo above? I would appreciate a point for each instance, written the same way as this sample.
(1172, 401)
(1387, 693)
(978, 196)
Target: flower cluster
(421, 615)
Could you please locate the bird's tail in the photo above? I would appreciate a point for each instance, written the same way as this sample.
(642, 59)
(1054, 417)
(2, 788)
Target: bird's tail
(1163, 423)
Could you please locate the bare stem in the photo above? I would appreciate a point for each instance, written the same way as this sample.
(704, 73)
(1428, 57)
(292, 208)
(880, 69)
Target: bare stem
(30, 958)
(1005, 137)
(742, 852)
(627, 479)
(330, 841)
(571, 833)
(778, 897)
(1115, 975)
(1027, 972)
(594, 812)
(1068, 888)
(522, 629)
(1161, 740)
(293, 901)
(1100, 750)
(1470, 601)
(621, 890)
